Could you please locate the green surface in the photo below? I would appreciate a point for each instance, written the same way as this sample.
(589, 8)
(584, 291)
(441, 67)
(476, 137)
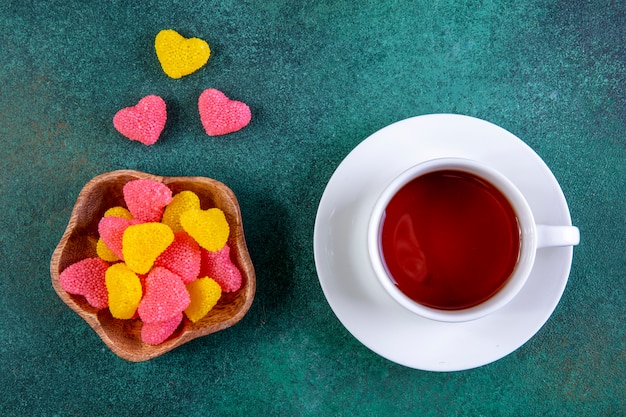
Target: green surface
(319, 78)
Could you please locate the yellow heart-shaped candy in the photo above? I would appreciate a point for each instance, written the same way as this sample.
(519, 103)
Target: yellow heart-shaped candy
(204, 294)
(181, 202)
(178, 55)
(124, 291)
(208, 227)
(143, 243)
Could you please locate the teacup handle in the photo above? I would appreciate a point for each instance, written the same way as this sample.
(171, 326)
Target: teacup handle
(549, 236)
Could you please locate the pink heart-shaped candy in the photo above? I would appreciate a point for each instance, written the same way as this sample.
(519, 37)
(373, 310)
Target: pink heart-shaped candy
(143, 122)
(220, 267)
(182, 257)
(146, 199)
(87, 278)
(111, 230)
(221, 115)
(156, 333)
(165, 296)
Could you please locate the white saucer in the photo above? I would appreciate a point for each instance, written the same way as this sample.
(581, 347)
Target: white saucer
(349, 283)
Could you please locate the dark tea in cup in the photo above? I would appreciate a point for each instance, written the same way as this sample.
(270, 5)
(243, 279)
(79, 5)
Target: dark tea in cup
(449, 239)
(453, 239)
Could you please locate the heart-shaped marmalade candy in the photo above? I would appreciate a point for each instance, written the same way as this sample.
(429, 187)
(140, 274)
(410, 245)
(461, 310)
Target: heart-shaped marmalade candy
(181, 202)
(178, 55)
(146, 199)
(124, 289)
(86, 278)
(165, 296)
(143, 122)
(181, 257)
(204, 293)
(208, 227)
(111, 230)
(219, 266)
(221, 115)
(143, 243)
(156, 333)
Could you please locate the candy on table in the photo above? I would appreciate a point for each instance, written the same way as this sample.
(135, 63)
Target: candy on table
(87, 278)
(143, 122)
(157, 332)
(146, 199)
(204, 294)
(220, 115)
(143, 243)
(124, 291)
(181, 202)
(165, 296)
(208, 227)
(220, 267)
(182, 257)
(178, 55)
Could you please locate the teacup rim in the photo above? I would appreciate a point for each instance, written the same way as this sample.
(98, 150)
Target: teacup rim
(526, 223)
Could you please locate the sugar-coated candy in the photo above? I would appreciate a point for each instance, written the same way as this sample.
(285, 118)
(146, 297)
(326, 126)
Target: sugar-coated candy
(143, 122)
(204, 294)
(124, 290)
(102, 249)
(111, 230)
(219, 266)
(165, 296)
(160, 259)
(178, 55)
(220, 115)
(208, 227)
(182, 257)
(87, 278)
(158, 332)
(181, 202)
(146, 199)
(104, 252)
(118, 211)
(143, 243)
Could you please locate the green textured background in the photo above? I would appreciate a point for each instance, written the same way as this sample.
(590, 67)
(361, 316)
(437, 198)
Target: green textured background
(319, 78)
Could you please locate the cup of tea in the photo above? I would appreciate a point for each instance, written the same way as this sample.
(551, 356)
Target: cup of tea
(453, 239)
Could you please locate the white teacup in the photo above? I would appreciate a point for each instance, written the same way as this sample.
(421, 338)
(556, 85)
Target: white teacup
(532, 237)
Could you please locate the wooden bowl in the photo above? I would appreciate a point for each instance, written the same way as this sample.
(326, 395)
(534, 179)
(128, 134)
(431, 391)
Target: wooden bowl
(123, 337)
